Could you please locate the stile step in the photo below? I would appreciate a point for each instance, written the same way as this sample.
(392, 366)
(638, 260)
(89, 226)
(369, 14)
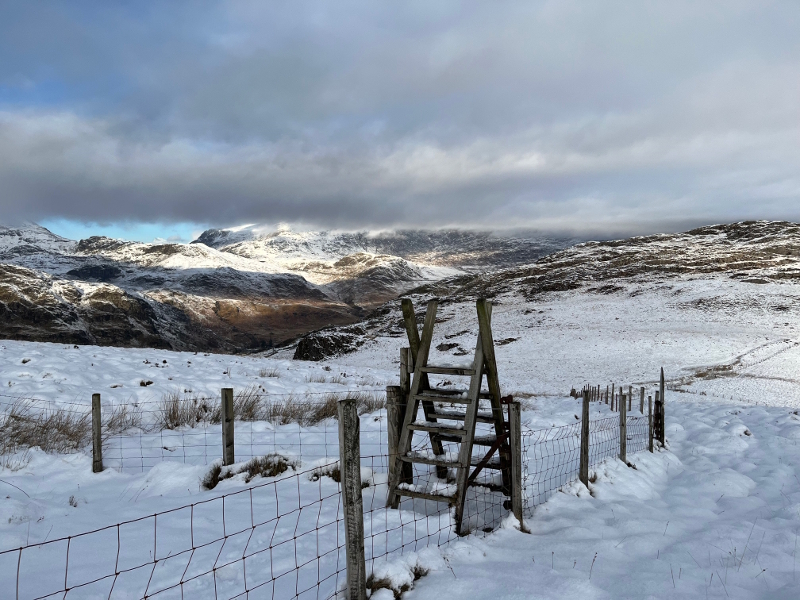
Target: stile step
(441, 398)
(494, 463)
(443, 370)
(481, 417)
(426, 496)
(439, 428)
(439, 462)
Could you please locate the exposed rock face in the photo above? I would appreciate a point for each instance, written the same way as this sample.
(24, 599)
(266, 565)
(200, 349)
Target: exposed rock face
(326, 344)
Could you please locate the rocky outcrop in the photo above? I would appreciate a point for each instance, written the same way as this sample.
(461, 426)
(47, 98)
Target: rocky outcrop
(329, 343)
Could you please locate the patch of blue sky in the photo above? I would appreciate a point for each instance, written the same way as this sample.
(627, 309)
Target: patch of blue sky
(181, 232)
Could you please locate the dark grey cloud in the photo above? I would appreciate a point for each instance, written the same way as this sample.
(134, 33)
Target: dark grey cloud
(557, 115)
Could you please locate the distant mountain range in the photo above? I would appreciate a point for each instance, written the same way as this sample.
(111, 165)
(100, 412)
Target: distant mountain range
(234, 290)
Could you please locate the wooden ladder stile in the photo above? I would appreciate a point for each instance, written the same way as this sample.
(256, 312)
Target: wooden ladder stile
(484, 365)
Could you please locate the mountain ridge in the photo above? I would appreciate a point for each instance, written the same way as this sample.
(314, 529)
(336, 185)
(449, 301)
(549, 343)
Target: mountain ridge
(260, 291)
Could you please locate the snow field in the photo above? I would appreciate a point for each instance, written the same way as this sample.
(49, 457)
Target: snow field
(719, 510)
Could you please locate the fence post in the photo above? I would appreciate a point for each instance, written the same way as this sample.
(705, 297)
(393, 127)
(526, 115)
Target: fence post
(612, 397)
(650, 423)
(395, 413)
(226, 416)
(662, 423)
(583, 470)
(630, 398)
(606, 394)
(404, 386)
(657, 417)
(623, 429)
(97, 435)
(352, 501)
(641, 399)
(515, 440)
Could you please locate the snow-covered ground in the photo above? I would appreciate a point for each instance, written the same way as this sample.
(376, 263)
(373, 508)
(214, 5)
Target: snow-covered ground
(716, 515)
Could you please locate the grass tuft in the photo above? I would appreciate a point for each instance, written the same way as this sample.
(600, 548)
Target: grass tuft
(270, 465)
(52, 430)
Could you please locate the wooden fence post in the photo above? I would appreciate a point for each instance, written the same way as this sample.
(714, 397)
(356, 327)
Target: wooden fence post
(650, 423)
(606, 394)
(657, 424)
(352, 501)
(97, 435)
(630, 398)
(404, 384)
(623, 429)
(515, 441)
(583, 470)
(641, 399)
(393, 422)
(227, 416)
(661, 417)
(612, 397)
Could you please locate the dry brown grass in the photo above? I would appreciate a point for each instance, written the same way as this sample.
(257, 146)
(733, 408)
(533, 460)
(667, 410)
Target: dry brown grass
(310, 410)
(269, 372)
(316, 378)
(122, 417)
(53, 430)
(178, 411)
(270, 465)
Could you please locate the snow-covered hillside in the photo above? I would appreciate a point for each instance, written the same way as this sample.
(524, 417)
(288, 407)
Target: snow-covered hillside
(716, 514)
(261, 291)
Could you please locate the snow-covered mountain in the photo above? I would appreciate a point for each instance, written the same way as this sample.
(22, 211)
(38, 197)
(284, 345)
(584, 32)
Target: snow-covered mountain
(727, 267)
(238, 289)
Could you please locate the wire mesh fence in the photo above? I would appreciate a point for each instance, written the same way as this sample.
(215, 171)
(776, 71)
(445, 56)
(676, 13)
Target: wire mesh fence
(551, 457)
(282, 538)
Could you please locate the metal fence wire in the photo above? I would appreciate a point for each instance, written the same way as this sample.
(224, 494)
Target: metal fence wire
(282, 538)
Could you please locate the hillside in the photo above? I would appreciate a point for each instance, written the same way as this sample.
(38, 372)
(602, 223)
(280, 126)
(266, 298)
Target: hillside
(231, 290)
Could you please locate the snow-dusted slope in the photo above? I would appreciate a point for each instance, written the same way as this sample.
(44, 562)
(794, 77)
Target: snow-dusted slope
(715, 515)
(240, 289)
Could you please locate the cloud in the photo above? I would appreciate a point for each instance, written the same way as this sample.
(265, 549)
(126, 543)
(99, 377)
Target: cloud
(555, 115)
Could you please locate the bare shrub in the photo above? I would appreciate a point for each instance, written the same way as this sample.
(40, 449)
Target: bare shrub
(51, 429)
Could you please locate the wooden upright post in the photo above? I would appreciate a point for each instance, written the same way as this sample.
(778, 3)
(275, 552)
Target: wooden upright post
(650, 423)
(630, 398)
(352, 501)
(606, 394)
(97, 435)
(515, 440)
(393, 423)
(612, 397)
(395, 414)
(641, 399)
(405, 383)
(662, 437)
(623, 429)
(657, 422)
(226, 416)
(583, 470)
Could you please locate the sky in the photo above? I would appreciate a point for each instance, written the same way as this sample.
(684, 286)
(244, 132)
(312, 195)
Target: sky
(159, 119)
